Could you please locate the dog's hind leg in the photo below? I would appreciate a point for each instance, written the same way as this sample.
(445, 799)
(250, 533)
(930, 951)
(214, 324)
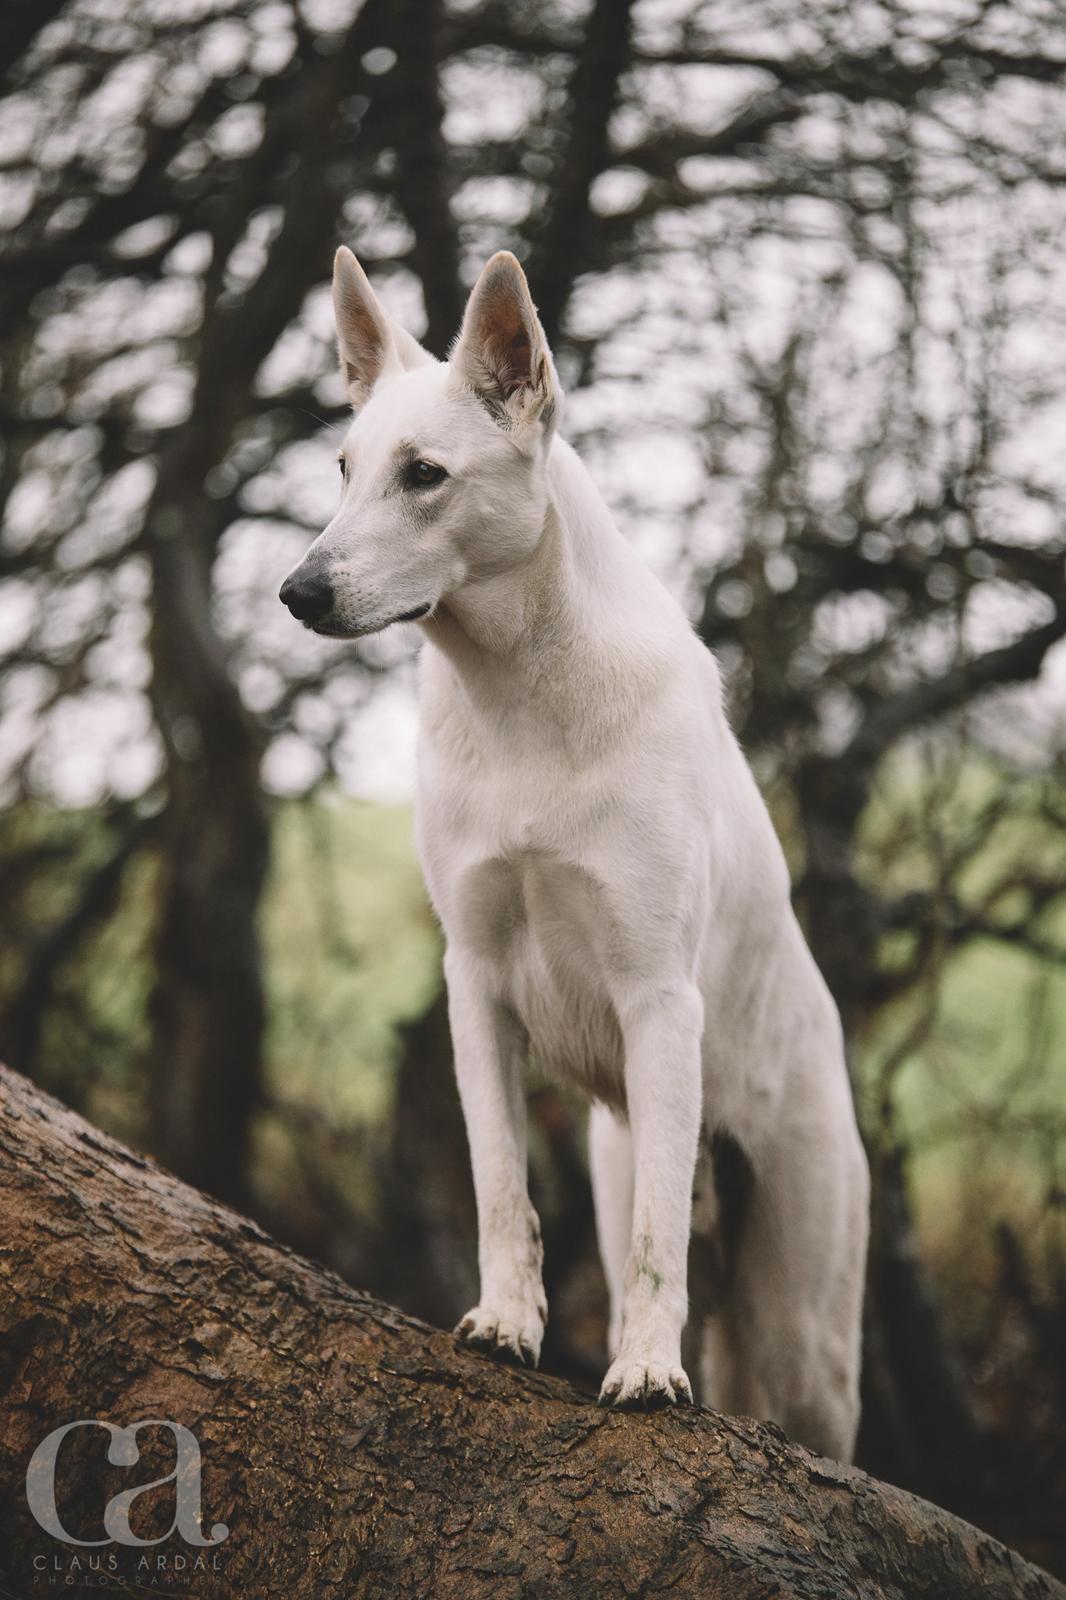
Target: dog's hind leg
(611, 1169)
(721, 1193)
(785, 1346)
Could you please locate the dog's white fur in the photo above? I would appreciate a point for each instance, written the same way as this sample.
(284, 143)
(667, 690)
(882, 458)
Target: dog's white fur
(611, 889)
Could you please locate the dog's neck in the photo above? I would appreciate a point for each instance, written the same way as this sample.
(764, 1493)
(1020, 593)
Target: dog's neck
(556, 652)
(511, 622)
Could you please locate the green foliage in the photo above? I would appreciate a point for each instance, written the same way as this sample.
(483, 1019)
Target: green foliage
(963, 1065)
(93, 1030)
(351, 951)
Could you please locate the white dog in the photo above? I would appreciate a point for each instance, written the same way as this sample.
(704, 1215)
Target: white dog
(610, 886)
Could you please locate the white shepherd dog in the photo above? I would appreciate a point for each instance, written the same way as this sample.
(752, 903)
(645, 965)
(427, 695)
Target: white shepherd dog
(611, 889)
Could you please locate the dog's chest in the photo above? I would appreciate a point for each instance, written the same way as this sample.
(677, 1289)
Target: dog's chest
(546, 928)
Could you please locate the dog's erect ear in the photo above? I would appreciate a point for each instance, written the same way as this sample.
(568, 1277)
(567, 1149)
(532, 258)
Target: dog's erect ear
(369, 340)
(502, 353)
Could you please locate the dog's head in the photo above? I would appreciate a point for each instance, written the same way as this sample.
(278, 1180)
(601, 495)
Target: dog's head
(443, 463)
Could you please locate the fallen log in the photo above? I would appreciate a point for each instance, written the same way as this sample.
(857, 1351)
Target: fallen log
(340, 1448)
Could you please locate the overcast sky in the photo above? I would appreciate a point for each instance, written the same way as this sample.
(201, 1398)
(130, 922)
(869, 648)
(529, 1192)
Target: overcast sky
(666, 425)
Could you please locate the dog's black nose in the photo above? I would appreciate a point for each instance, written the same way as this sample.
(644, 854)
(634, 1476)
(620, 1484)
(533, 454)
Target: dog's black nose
(307, 598)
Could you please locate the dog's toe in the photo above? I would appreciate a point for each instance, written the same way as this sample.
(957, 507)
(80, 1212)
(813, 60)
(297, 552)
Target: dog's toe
(505, 1337)
(514, 1355)
(644, 1386)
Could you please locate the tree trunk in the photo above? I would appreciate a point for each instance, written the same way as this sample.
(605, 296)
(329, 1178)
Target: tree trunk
(426, 1259)
(207, 1011)
(207, 1005)
(352, 1451)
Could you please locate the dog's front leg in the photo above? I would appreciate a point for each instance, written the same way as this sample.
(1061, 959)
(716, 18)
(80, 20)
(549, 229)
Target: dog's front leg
(490, 1059)
(661, 1033)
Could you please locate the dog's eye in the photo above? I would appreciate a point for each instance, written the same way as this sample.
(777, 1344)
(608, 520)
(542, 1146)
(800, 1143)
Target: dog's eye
(423, 474)
(342, 463)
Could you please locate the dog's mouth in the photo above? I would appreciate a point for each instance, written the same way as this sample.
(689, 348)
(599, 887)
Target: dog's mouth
(329, 630)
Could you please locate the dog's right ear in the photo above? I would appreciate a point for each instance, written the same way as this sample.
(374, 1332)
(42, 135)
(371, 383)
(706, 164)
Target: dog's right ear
(502, 354)
(369, 340)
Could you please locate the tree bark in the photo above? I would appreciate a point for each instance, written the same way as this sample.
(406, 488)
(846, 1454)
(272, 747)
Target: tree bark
(207, 1005)
(353, 1451)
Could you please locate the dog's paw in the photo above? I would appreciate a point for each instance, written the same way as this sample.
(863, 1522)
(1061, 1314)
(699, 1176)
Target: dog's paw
(644, 1386)
(511, 1336)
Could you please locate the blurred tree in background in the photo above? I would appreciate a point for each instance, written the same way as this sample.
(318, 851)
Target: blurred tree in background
(804, 277)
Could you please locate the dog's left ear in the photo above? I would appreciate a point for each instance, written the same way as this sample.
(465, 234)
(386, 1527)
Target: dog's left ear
(502, 353)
